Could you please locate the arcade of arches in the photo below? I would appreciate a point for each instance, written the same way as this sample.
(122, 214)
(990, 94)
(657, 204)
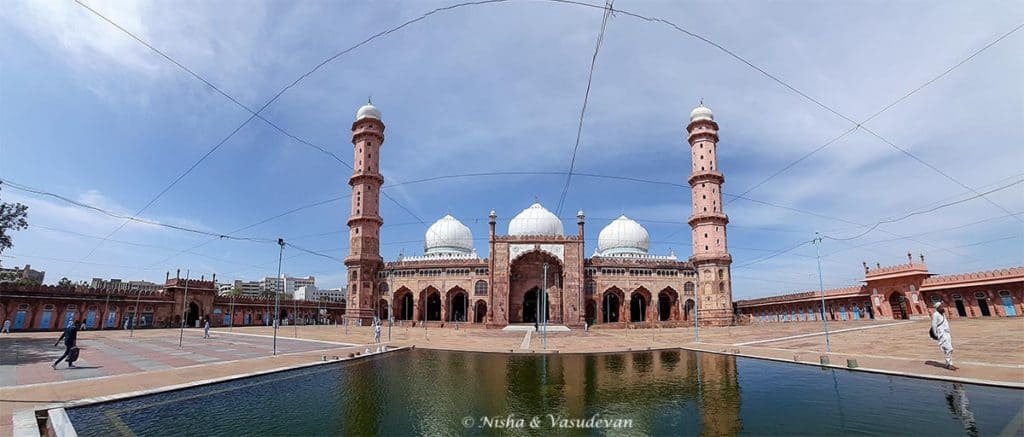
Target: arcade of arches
(904, 291)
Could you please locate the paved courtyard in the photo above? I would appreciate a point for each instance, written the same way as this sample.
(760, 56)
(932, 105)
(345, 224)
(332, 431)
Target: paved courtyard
(27, 358)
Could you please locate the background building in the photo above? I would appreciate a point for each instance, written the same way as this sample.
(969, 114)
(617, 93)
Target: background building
(26, 273)
(311, 292)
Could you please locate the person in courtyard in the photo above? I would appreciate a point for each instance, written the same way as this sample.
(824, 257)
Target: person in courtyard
(376, 332)
(206, 328)
(70, 337)
(7, 327)
(126, 323)
(940, 327)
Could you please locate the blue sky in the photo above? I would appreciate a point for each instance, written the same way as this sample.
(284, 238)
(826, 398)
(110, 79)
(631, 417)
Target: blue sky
(88, 113)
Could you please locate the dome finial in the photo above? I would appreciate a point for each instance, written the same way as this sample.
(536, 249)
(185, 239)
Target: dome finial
(369, 99)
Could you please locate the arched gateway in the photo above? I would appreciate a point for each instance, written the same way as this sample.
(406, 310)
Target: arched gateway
(526, 283)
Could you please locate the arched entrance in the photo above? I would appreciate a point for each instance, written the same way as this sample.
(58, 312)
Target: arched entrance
(898, 306)
(611, 303)
(961, 310)
(527, 274)
(591, 312)
(688, 310)
(458, 306)
(192, 315)
(982, 304)
(668, 301)
(531, 302)
(664, 307)
(382, 309)
(637, 308)
(282, 316)
(480, 312)
(434, 306)
(404, 306)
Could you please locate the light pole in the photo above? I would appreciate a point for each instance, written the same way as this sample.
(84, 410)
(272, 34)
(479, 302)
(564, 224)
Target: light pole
(231, 320)
(135, 317)
(696, 312)
(184, 304)
(544, 303)
(821, 286)
(277, 294)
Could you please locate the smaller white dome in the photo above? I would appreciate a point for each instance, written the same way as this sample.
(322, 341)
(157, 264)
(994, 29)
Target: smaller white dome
(448, 236)
(623, 236)
(536, 220)
(368, 111)
(701, 112)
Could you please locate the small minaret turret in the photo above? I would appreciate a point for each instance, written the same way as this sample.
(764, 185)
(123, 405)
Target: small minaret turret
(708, 222)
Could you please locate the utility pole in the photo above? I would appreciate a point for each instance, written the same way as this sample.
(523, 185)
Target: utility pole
(821, 286)
(184, 304)
(277, 294)
(544, 303)
(696, 312)
(135, 317)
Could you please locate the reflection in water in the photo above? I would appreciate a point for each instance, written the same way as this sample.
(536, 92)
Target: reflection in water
(956, 398)
(423, 392)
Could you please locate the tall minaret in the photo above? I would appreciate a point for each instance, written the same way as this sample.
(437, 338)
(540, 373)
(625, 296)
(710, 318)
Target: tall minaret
(711, 256)
(364, 260)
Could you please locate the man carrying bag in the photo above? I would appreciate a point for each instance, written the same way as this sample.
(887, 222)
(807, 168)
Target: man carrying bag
(70, 337)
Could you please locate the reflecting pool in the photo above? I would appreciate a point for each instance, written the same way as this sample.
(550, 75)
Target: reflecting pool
(661, 393)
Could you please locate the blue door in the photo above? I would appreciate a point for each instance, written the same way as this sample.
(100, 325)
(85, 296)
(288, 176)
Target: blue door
(842, 312)
(19, 319)
(90, 319)
(227, 319)
(47, 318)
(112, 319)
(856, 312)
(68, 317)
(1010, 309)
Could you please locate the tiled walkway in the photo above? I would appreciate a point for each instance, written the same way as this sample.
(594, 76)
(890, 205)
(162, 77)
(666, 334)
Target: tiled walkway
(26, 359)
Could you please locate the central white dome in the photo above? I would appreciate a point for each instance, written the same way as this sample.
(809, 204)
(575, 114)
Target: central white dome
(623, 236)
(701, 112)
(448, 236)
(535, 220)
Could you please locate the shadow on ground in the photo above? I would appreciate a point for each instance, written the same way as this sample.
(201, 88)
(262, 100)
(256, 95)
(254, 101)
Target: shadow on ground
(17, 351)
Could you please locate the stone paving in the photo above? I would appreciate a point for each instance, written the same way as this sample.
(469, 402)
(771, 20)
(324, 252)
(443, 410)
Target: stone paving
(27, 358)
(987, 350)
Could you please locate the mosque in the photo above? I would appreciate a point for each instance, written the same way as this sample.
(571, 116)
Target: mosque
(537, 271)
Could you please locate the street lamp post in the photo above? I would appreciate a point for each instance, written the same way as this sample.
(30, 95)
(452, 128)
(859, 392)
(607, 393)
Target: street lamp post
(544, 303)
(696, 312)
(821, 286)
(184, 304)
(277, 293)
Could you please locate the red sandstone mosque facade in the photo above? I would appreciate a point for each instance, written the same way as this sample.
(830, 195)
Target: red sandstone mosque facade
(536, 270)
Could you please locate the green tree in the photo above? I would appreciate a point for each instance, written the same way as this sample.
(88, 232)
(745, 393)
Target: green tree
(12, 218)
(64, 282)
(237, 291)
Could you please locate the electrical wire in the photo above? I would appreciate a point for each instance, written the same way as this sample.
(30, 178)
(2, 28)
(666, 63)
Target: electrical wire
(583, 108)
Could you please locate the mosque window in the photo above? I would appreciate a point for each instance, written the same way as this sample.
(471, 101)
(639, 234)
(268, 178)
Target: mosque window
(721, 274)
(590, 287)
(721, 286)
(688, 287)
(480, 289)
(706, 248)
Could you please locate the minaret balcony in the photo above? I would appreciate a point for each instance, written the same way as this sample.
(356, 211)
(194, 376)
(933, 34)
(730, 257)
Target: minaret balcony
(354, 219)
(712, 218)
(711, 258)
(706, 176)
(364, 177)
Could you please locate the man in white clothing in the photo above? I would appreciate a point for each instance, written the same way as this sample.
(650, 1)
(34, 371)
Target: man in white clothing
(940, 326)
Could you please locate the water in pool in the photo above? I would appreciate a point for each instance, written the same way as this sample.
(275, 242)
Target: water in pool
(661, 393)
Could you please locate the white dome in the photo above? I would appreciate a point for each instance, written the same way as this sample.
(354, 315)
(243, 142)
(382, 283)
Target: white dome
(535, 220)
(623, 236)
(701, 113)
(368, 111)
(448, 236)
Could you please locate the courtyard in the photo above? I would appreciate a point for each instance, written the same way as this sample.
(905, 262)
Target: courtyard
(987, 351)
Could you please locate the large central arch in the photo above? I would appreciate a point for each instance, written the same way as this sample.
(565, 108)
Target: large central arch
(526, 274)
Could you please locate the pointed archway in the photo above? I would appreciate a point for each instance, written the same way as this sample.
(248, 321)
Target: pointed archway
(480, 311)
(458, 305)
(637, 308)
(403, 304)
(611, 305)
(532, 301)
(527, 274)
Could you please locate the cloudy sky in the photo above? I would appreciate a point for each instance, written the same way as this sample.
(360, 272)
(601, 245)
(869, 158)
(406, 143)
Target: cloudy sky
(91, 114)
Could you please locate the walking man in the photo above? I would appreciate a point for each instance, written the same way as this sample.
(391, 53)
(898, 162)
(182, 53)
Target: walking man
(206, 328)
(376, 332)
(7, 327)
(940, 327)
(70, 337)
